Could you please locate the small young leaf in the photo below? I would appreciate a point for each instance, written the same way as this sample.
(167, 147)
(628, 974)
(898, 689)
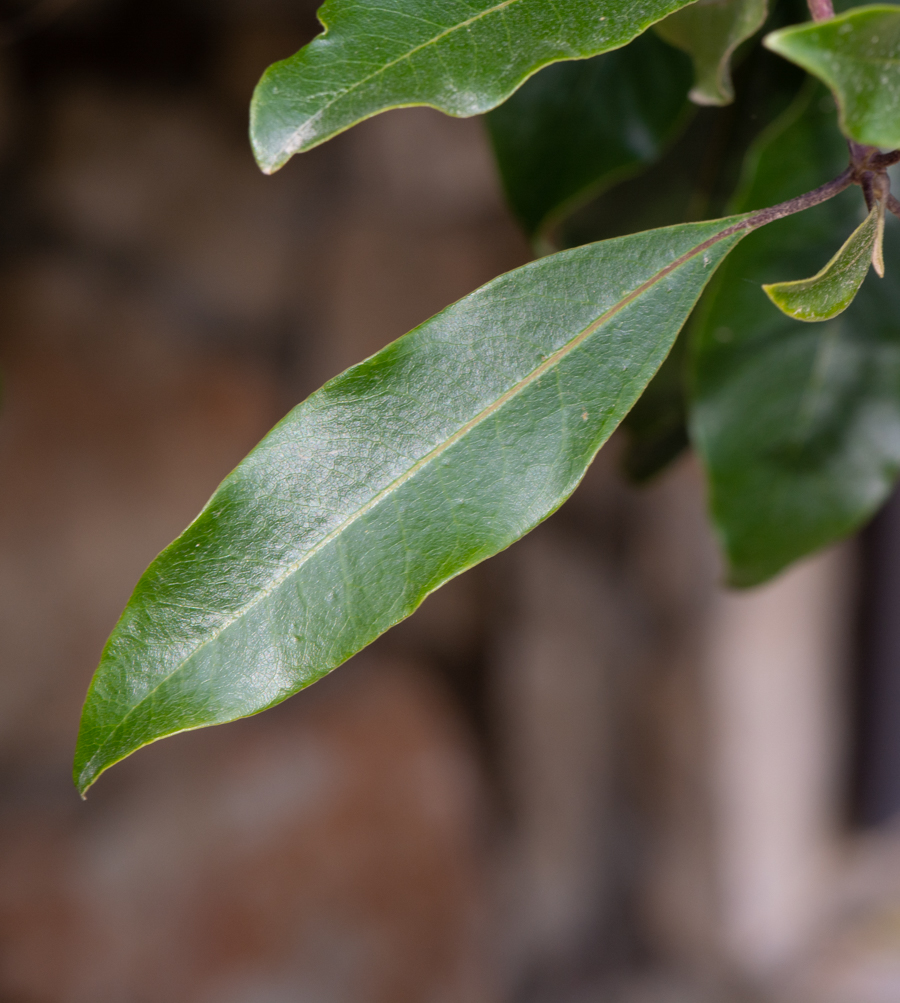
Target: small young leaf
(710, 31)
(798, 425)
(434, 454)
(857, 54)
(462, 57)
(830, 291)
(577, 127)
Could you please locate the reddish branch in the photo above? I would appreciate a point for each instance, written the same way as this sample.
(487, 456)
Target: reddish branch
(821, 10)
(867, 168)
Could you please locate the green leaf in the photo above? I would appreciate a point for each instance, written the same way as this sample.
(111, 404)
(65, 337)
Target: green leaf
(462, 57)
(578, 127)
(856, 55)
(798, 424)
(434, 454)
(830, 291)
(710, 31)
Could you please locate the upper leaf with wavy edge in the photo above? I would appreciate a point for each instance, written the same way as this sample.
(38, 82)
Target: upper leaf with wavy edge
(798, 425)
(710, 31)
(857, 54)
(462, 57)
(434, 454)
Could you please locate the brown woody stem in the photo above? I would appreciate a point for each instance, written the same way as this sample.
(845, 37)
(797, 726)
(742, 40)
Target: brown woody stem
(883, 160)
(798, 204)
(867, 168)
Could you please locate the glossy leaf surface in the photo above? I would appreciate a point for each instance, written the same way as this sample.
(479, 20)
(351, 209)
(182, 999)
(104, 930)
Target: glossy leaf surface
(798, 424)
(710, 31)
(462, 57)
(439, 451)
(857, 54)
(578, 126)
(830, 291)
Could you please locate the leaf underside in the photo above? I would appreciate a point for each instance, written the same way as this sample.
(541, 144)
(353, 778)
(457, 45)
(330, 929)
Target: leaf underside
(710, 31)
(830, 291)
(462, 57)
(434, 454)
(798, 424)
(856, 55)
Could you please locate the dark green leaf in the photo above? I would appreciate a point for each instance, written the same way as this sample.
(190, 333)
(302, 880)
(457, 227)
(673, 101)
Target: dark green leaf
(439, 451)
(830, 291)
(696, 176)
(710, 31)
(656, 426)
(462, 57)
(798, 424)
(857, 54)
(577, 127)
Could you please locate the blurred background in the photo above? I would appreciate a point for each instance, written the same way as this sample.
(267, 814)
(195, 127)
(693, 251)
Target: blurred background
(581, 773)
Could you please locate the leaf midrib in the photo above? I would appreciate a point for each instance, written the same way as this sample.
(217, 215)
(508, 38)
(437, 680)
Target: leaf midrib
(434, 453)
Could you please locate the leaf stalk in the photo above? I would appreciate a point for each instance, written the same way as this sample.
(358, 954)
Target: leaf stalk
(867, 168)
(821, 10)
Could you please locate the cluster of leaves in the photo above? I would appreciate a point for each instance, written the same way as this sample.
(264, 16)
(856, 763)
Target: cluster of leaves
(461, 436)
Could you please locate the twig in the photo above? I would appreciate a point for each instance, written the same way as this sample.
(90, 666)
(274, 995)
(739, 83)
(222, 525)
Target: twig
(821, 10)
(798, 204)
(882, 160)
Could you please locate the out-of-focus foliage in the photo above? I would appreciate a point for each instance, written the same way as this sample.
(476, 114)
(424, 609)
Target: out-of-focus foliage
(798, 424)
(577, 127)
(710, 31)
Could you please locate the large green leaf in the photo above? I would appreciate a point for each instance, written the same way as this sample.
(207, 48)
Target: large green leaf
(798, 424)
(409, 468)
(710, 31)
(857, 54)
(462, 57)
(577, 127)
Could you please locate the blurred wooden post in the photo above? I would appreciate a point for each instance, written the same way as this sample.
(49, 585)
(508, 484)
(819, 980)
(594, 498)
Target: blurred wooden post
(775, 659)
(879, 678)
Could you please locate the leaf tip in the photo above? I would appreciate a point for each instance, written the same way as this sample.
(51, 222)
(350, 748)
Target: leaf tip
(84, 773)
(715, 97)
(772, 41)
